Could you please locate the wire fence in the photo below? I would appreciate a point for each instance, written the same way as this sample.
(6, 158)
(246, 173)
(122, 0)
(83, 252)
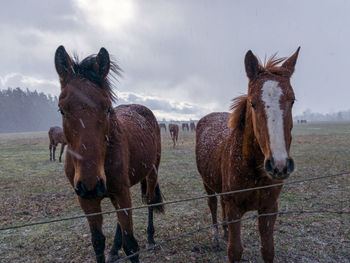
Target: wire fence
(55, 220)
(193, 232)
(190, 233)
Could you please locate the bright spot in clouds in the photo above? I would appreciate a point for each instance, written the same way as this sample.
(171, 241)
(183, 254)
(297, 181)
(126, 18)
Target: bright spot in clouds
(110, 15)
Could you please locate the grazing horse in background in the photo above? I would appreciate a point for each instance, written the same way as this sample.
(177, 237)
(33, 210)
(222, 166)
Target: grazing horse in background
(174, 132)
(162, 125)
(104, 156)
(192, 126)
(56, 137)
(249, 148)
(185, 126)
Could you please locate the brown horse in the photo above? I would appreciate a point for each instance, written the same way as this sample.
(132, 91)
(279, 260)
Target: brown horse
(249, 148)
(109, 150)
(174, 132)
(162, 125)
(56, 137)
(192, 126)
(185, 127)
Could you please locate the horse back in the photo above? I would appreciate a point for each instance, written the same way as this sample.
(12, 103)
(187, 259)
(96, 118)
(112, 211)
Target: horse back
(142, 134)
(56, 135)
(211, 131)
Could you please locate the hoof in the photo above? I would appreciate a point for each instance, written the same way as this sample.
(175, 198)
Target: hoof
(112, 258)
(151, 242)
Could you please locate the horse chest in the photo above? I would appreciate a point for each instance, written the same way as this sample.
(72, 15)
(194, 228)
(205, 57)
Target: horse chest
(255, 200)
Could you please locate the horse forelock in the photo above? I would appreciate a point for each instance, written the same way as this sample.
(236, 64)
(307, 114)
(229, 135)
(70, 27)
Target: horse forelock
(85, 69)
(272, 66)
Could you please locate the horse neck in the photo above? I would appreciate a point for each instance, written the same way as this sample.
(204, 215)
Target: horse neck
(115, 130)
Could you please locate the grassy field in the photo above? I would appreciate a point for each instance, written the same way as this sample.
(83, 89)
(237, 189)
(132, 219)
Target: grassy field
(33, 189)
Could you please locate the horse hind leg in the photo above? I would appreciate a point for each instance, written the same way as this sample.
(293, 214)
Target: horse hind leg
(152, 195)
(213, 203)
(224, 219)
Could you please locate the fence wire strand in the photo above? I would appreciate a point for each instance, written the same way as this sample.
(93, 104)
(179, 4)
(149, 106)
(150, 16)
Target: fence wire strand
(183, 235)
(3, 228)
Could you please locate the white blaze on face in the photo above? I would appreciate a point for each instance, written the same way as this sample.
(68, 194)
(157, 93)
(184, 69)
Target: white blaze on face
(271, 94)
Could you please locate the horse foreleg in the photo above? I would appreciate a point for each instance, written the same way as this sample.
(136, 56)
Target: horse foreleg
(223, 213)
(95, 224)
(50, 148)
(266, 228)
(62, 149)
(129, 243)
(213, 204)
(235, 248)
(54, 151)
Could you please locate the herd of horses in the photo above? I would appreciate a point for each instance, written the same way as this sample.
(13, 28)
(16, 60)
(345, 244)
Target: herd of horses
(111, 149)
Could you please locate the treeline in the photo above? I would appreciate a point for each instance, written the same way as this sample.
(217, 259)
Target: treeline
(313, 116)
(25, 110)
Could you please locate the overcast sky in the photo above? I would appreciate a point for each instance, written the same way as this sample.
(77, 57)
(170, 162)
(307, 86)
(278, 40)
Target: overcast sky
(183, 59)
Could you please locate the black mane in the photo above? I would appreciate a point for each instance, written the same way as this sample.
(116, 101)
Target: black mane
(85, 69)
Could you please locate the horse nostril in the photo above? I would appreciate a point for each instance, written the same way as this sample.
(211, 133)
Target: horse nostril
(98, 191)
(80, 189)
(290, 165)
(268, 166)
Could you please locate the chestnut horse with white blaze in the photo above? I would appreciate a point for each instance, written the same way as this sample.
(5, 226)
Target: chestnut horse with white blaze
(249, 148)
(109, 150)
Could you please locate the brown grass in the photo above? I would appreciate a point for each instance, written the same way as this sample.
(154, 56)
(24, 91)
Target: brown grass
(33, 189)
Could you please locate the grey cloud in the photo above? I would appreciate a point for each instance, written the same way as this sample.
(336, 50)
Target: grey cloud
(184, 51)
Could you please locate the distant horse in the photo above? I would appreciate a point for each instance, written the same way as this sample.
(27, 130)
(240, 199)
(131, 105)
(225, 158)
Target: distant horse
(192, 126)
(56, 137)
(109, 150)
(174, 132)
(249, 148)
(185, 127)
(162, 125)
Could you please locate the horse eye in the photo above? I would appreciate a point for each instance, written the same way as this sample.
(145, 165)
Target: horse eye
(253, 106)
(293, 102)
(61, 111)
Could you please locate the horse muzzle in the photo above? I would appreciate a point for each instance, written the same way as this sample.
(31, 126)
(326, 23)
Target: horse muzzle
(279, 170)
(98, 191)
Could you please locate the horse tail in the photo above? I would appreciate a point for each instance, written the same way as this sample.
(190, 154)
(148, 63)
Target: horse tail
(158, 197)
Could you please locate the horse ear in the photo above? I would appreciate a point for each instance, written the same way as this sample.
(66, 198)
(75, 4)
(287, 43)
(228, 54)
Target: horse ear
(102, 62)
(63, 63)
(289, 64)
(252, 66)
